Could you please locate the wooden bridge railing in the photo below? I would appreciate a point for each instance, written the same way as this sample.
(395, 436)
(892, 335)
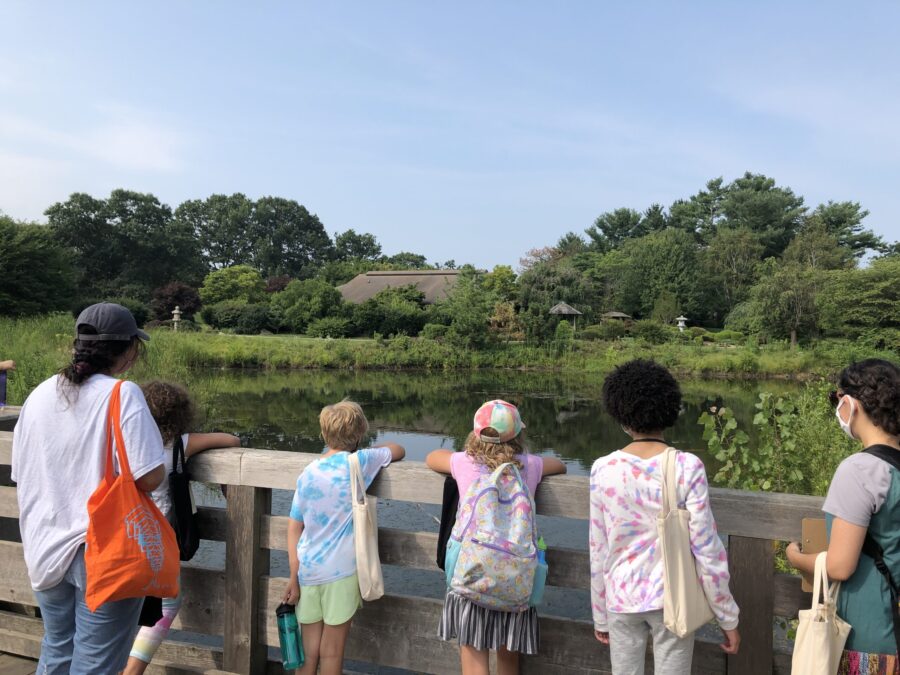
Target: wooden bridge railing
(238, 603)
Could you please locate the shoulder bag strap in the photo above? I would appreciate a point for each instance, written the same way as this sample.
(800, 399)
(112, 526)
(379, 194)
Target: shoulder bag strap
(669, 481)
(178, 454)
(114, 430)
(357, 485)
(885, 453)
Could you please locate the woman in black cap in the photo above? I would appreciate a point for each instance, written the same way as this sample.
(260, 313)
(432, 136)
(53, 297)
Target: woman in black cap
(58, 461)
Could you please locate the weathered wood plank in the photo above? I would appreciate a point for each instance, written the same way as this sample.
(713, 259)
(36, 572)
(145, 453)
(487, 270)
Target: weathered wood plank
(212, 522)
(245, 563)
(569, 568)
(752, 563)
(5, 447)
(219, 466)
(401, 632)
(9, 505)
(15, 586)
(203, 601)
(789, 596)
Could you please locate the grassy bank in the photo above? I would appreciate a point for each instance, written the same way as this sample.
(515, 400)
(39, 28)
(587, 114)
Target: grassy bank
(40, 346)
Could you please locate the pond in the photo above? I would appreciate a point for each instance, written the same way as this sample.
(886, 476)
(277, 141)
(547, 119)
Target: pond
(428, 410)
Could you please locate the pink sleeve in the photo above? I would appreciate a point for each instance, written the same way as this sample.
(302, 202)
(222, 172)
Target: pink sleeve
(707, 547)
(534, 468)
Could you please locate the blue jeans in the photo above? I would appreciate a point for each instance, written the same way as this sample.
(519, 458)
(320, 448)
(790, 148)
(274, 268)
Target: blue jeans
(78, 641)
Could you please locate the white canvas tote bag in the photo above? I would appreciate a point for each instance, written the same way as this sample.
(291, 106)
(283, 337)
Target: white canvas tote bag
(365, 535)
(685, 607)
(821, 633)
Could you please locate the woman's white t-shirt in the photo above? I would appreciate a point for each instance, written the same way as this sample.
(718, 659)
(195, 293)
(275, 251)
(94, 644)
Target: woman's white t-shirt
(58, 455)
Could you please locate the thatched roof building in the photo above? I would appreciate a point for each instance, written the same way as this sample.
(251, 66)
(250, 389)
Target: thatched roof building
(564, 308)
(435, 284)
(621, 316)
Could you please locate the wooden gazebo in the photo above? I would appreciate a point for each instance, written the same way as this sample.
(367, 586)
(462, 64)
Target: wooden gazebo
(566, 309)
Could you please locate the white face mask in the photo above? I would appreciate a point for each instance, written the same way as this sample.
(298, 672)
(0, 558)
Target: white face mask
(845, 426)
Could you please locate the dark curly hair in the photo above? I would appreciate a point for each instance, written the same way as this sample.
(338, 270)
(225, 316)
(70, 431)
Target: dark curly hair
(90, 357)
(875, 383)
(171, 406)
(642, 396)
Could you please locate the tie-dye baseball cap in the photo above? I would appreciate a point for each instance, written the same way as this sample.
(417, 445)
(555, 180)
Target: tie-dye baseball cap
(500, 416)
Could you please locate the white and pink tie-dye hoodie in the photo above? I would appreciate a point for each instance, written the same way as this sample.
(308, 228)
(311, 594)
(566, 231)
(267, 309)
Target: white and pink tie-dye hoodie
(626, 567)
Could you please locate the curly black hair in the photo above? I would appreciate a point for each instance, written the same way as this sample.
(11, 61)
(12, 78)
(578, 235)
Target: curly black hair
(171, 406)
(642, 396)
(875, 383)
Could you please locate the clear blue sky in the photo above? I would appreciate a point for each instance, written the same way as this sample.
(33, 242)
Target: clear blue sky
(463, 130)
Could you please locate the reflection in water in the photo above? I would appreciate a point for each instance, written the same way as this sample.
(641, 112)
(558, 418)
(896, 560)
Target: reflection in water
(429, 410)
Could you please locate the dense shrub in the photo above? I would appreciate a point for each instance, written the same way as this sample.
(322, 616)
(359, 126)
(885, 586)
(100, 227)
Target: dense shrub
(241, 317)
(302, 302)
(434, 331)
(239, 282)
(329, 326)
(176, 294)
(653, 332)
(729, 336)
(563, 336)
(697, 331)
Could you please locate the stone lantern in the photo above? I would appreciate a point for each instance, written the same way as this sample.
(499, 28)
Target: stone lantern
(682, 322)
(176, 317)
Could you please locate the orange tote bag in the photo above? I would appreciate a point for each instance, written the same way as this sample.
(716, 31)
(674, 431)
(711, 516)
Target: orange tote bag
(131, 550)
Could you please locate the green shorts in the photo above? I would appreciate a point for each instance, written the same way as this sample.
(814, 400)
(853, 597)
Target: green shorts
(334, 603)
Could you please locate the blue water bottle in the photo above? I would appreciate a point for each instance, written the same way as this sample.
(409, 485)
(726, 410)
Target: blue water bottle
(289, 637)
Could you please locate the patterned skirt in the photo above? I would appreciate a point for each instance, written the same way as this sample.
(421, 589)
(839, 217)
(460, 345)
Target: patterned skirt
(861, 663)
(472, 625)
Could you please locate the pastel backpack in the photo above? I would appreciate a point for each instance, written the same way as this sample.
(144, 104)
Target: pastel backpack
(492, 554)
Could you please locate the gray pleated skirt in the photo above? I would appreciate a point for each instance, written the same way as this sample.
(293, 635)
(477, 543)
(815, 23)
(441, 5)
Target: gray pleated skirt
(472, 625)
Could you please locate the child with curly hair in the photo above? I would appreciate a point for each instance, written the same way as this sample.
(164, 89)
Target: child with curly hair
(497, 438)
(626, 499)
(173, 410)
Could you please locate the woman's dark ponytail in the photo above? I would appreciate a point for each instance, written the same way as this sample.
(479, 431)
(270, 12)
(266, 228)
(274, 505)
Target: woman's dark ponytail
(90, 357)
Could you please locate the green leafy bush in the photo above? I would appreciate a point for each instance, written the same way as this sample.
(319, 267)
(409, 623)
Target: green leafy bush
(329, 327)
(653, 332)
(563, 336)
(434, 331)
(728, 336)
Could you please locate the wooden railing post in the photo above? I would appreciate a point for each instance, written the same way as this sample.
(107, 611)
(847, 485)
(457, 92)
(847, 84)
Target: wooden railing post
(245, 563)
(752, 563)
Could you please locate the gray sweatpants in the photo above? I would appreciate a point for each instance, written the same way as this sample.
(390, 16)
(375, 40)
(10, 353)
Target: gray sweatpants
(628, 645)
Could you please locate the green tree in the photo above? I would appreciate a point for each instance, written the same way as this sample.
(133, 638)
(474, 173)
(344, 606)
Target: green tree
(857, 300)
(352, 246)
(289, 239)
(469, 307)
(571, 244)
(773, 213)
(501, 281)
(239, 283)
(701, 214)
(654, 219)
(665, 308)
(730, 262)
(37, 274)
(393, 311)
(843, 220)
(816, 248)
(784, 300)
(223, 226)
(614, 227)
(407, 261)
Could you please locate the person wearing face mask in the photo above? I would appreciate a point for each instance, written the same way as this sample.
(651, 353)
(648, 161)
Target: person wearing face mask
(863, 518)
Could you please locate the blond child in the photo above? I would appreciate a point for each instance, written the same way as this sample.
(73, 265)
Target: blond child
(320, 537)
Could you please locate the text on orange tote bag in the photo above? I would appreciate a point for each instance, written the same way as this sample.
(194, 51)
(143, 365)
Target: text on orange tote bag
(131, 550)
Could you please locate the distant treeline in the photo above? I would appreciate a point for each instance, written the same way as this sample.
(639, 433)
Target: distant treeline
(748, 255)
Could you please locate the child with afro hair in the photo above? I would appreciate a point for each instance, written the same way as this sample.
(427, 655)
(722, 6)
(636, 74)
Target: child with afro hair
(626, 499)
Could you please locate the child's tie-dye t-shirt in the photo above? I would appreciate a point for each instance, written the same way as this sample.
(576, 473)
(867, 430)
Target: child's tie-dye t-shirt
(322, 503)
(626, 566)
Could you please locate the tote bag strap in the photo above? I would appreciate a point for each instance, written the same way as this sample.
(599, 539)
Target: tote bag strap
(820, 584)
(178, 455)
(669, 480)
(357, 484)
(114, 430)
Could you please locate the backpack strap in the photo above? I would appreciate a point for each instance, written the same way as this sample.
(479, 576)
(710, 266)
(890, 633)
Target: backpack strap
(873, 549)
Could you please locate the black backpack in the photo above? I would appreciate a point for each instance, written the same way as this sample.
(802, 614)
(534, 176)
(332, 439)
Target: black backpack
(873, 549)
(182, 517)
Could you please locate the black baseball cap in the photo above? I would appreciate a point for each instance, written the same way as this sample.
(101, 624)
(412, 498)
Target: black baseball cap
(111, 321)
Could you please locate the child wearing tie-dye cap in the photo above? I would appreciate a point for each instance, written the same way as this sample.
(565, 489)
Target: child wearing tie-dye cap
(497, 438)
(626, 498)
